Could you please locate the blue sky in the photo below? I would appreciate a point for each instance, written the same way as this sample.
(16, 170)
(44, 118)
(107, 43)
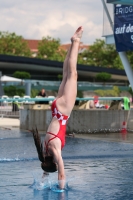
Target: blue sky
(34, 19)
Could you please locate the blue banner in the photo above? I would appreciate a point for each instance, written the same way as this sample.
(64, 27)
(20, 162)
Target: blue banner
(123, 27)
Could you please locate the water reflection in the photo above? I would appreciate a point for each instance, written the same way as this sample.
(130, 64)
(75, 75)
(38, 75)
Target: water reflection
(118, 137)
(124, 136)
(49, 195)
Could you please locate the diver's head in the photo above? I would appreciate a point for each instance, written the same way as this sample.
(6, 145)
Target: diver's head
(49, 165)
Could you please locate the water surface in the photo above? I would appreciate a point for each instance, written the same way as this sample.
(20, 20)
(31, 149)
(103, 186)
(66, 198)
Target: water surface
(97, 168)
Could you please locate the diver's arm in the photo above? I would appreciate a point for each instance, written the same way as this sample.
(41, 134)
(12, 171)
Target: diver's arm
(61, 171)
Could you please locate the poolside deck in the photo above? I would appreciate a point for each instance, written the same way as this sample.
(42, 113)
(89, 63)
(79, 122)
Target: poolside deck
(11, 123)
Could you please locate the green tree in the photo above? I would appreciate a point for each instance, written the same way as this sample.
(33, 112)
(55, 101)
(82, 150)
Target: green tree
(34, 93)
(12, 44)
(103, 76)
(130, 57)
(49, 49)
(12, 90)
(117, 63)
(60, 76)
(131, 92)
(101, 54)
(22, 75)
(115, 92)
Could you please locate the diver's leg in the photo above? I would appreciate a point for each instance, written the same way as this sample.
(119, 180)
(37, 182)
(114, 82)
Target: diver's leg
(67, 101)
(65, 74)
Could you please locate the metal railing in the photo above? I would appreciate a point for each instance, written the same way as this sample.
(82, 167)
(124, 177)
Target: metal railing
(50, 99)
(10, 107)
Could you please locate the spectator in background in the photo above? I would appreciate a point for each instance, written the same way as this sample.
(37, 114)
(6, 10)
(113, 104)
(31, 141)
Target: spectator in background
(42, 93)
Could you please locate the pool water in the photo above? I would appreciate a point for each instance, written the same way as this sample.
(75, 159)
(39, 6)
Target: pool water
(95, 169)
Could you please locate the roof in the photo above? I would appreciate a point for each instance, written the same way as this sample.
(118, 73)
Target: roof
(33, 45)
(82, 47)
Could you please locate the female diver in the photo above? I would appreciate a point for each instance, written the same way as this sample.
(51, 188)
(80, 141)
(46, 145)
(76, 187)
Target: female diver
(50, 154)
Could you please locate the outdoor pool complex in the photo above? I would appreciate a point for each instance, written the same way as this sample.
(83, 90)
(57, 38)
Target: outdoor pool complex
(95, 169)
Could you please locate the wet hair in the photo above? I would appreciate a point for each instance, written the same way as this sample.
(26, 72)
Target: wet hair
(48, 165)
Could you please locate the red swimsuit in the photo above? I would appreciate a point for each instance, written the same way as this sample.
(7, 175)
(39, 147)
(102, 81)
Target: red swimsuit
(62, 129)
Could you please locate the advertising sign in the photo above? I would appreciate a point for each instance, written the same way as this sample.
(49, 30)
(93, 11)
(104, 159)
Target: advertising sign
(123, 27)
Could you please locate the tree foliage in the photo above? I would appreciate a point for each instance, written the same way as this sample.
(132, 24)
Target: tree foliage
(34, 93)
(115, 92)
(101, 54)
(12, 90)
(22, 75)
(49, 49)
(60, 76)
(103, 76)
(12, 44)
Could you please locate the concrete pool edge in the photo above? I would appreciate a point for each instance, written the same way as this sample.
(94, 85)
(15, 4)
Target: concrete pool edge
(112, 137)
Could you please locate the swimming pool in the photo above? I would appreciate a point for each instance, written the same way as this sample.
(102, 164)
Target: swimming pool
(95, 169)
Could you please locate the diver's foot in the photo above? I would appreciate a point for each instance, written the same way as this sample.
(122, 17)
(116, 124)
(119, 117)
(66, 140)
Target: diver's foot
(77, 35)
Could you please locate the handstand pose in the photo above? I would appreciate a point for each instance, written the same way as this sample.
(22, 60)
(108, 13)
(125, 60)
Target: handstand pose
(62, 106)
